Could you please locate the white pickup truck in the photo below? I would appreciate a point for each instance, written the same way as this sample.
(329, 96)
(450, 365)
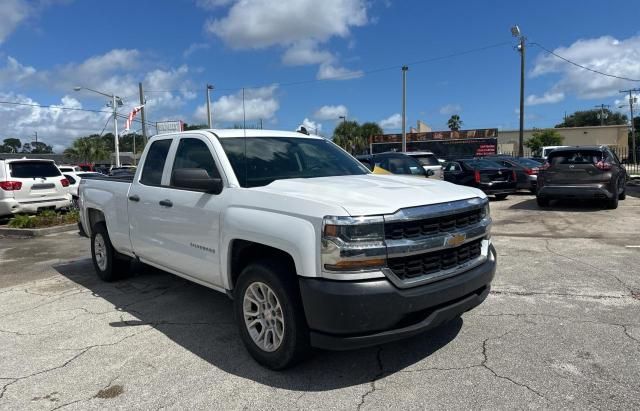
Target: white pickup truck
(313, 249)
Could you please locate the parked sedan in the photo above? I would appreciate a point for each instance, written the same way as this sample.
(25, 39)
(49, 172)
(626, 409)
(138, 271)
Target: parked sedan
(486, 175)
(589, 172)
(526, 170)
(394, 163)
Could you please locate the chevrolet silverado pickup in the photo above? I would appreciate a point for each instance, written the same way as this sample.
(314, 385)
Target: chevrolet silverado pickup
(313, 249)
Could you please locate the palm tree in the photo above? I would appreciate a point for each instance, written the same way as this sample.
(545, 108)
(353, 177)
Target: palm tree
(454, 123)
(87, 150)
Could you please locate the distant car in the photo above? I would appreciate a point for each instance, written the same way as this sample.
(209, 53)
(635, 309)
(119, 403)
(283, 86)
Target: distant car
(75, 177)
(526, 170)
(394, 163)
(588, 172)
(69, 169)
(429, 161)
(548, 149)
(538, 160)
(123, 170)
(31, 185)
(486, 175)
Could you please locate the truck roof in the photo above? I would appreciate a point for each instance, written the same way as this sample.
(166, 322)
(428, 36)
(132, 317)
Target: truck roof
(231, 132)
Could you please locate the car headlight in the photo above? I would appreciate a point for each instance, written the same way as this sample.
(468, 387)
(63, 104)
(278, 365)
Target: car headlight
(353, 243)
(486, 211)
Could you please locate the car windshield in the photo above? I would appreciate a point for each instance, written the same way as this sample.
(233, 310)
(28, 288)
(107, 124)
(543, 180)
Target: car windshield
(276, 158)
(575, 157)
(32, 169)
(427, 159)
(480, 164)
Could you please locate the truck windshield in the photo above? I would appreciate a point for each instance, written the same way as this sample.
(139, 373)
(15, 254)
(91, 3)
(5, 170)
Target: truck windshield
(276, 158)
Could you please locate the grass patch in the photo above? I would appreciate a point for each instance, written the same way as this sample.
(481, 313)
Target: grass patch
(46, 218)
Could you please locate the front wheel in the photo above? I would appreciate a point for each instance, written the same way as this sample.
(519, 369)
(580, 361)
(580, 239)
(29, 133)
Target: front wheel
(270, 316)
(501, 196)
(108, 263)
(542, 202)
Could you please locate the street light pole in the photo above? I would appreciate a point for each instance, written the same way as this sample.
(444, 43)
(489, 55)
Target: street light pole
(633, 128)
(515, 31)
(114, 102)
(404, 108)
(209, 88)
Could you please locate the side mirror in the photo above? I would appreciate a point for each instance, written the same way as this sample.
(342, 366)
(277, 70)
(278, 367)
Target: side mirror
(196, 179)
(430, 173)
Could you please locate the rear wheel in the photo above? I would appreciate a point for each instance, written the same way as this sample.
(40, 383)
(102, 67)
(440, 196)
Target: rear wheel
(108, 263)
(501, 196)
(623, 194)
(542, 202)
(269, 313)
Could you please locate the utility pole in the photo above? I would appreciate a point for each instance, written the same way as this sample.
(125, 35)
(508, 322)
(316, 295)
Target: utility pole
(35, 133)
(260, 124)
(209, 88)
(515, 31)
(115, 129)
(142, 116)
(602, 115)
(633, 128)
(404, 108)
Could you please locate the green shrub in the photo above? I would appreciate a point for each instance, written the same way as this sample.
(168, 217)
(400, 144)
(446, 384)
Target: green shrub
(22, 221)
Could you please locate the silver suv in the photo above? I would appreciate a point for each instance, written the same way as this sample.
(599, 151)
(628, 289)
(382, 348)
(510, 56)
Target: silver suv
(429, 161)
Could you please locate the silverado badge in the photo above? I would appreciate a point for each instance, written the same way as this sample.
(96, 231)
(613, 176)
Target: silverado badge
(455, 240)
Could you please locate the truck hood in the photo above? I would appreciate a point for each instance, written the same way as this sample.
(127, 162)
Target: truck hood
(372, 194)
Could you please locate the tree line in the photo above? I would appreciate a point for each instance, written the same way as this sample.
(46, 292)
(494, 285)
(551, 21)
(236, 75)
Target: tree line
(14, 145)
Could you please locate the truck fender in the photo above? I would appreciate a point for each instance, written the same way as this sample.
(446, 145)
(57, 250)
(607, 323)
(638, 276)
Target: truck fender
(291, 234)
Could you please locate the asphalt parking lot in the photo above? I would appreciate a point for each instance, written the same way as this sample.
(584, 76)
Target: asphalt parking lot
(560, 329)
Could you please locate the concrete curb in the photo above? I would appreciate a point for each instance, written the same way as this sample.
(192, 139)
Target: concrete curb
(36, 232)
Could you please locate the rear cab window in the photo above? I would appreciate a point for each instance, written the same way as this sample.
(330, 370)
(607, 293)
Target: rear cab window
(33, 169)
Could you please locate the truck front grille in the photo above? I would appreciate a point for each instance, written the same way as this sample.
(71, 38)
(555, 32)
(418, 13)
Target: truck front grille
(429, 226)
(409, 267)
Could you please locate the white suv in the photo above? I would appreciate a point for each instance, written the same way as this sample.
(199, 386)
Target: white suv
(28, 185)
(429, 161)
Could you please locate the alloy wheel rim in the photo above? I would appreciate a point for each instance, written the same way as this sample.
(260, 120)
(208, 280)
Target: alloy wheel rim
(263, 316)
(100, 251)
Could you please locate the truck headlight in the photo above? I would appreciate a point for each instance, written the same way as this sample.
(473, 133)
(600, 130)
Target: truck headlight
(486, 211)
(353, 243)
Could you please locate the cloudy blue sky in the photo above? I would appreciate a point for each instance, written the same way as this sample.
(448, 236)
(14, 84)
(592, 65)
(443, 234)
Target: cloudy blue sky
(309, 61)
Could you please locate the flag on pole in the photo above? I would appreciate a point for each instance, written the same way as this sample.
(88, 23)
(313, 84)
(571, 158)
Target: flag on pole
(132, 115)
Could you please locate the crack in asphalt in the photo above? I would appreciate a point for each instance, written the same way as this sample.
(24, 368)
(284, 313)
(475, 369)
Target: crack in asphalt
(81, 352)
(558, 294)
(486, 359)
(63, 296)
(593, 267)
(372, 383)
(559, 317)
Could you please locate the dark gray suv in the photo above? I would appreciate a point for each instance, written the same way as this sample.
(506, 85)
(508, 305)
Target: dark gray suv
(584, 172)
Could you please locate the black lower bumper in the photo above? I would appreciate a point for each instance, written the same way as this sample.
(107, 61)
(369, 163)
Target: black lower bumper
(347, 315)
(586, 192)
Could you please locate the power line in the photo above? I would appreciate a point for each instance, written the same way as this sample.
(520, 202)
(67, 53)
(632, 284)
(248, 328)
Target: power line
(355, 74)
(15, 103)
(581, 66)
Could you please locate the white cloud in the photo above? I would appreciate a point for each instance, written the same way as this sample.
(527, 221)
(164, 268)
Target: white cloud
(392, 122)
(264, 23)
(259, 103)
(549, 97)
(305, 52)
(15, 73)
(312, 126)
(331, 112)
(328, 71)
(450, 109)
(12, 13)
(55, 126)
(193, 48)
(606, 54)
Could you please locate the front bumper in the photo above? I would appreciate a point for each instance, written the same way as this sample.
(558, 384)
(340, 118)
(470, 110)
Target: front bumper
(582, 191)
(348, 315)
(11, 206)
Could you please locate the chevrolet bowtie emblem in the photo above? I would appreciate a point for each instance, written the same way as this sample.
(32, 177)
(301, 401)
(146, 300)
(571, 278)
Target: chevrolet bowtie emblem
(455, 240)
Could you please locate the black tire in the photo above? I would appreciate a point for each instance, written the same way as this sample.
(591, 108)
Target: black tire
(623, 195)
(112, 265)
(501, 196)
(282, 281)
(542, 201)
